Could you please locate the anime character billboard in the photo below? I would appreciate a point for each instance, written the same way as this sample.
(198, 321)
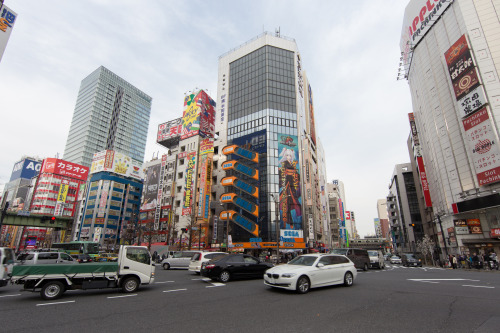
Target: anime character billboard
(290, 203)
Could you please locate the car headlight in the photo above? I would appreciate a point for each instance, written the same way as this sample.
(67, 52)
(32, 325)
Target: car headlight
(288, 275)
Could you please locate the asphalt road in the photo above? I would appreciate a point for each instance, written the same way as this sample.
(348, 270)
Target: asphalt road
(396, 299)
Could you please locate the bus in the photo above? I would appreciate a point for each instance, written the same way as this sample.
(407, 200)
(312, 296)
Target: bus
(79, 247)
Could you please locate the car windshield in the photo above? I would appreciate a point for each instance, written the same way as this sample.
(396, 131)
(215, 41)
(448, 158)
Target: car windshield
(410, 256)
(339, 251)
(303, 261)
(373, 253)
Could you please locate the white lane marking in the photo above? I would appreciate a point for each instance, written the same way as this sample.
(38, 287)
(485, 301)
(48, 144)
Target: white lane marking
(216, 284)
(468, 285)
(169, 291)
(164, 281)
(200, 279)
(55, 303)
(427, 281)
(442, 280)
(11, 295)
(122, 296)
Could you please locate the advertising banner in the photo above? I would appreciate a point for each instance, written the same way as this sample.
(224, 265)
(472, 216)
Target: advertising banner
(61, 198)
(190, 117)
(104, 199)
(201, 185)
(461, 227)
(64, 168)
(420, 16)
(169, 130)
(452, 239)
(7, 20)
(312, 126)
(420, 161)
(206, 146)
(151, 187)
(188, 187)
(483, 147)
(495, 233)
(26, 169)
(207, 114)
(112, 161)
(474, 226)
(289, 183)
(471, 102)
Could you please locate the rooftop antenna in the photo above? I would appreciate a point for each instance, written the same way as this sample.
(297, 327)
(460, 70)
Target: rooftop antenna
(277, 32)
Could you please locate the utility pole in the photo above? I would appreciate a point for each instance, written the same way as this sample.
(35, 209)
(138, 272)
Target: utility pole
(442, 235)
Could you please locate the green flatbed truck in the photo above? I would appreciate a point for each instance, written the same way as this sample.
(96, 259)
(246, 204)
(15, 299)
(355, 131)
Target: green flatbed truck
(133, 268)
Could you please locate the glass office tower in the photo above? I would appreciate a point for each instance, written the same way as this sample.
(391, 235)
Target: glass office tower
(110, 113)
(261, 107)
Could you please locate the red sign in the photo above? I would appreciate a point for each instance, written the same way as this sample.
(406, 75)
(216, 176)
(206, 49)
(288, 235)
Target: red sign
(495, 233)
(64, 168)
(425, 183)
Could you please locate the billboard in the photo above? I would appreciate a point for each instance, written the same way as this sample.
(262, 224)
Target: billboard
(483, 147)
(420, 16)
(116, 162)
(420, 161)
(151, 187)
(188, 187)
(312, 126)
(255, 142)
(170, 130)
(64, 168)
(7, 20)
(198, 117)
(462, 71)
(26, 169)
(289, 183)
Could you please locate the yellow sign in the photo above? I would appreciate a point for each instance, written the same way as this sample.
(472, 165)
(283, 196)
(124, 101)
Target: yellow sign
(63, 191)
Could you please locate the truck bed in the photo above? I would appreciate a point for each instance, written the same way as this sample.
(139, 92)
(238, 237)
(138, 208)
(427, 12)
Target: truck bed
(61, 269)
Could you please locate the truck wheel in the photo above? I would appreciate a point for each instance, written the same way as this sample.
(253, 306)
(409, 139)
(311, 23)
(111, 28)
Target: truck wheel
(130, 284)
(52, 290)
(365, 267)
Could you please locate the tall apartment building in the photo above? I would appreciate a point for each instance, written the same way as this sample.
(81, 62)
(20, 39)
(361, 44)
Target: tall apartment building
(383, 219)
(451, 59)
(110, 114)
(265, 104)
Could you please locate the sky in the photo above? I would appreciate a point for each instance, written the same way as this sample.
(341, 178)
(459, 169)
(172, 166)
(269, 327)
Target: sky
(349, 50)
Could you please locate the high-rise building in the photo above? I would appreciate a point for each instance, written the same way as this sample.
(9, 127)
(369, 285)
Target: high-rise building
(450, 59)
(265, 105)
(403, 210)
(110, 114)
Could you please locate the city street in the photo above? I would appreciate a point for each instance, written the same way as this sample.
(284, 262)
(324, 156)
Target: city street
(396, 299)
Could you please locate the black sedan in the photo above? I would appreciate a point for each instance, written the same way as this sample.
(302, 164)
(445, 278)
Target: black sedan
(234, 266)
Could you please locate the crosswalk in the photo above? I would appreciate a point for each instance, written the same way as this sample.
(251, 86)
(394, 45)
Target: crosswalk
(395, 267)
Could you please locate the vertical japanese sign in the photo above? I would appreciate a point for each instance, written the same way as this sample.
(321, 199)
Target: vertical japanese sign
(61, 197)
(188, 187)
(7, 20)
(104, 198)
(464, 78)
(160, 192)
(289, 183)
(420, 161)
(483, 147)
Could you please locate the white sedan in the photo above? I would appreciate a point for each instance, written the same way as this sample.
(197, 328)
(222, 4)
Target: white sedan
(312, 271)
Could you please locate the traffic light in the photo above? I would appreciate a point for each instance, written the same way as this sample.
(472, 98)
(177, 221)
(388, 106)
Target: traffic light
(50, 219)
(412, 224)
(184, 229)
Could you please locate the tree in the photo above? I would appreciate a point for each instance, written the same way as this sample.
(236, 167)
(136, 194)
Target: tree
(426, 247)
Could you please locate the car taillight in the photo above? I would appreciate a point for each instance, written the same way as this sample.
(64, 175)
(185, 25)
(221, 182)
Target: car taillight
(210, 266)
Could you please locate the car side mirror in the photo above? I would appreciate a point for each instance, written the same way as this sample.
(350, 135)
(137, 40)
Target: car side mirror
(320, 265)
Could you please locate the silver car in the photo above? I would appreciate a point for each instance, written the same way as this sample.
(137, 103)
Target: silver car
(39, 258)
(179, 259)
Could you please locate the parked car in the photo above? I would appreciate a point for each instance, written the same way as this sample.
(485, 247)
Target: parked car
(409, 259)
(311, 271)
(82, 258)
(201, 257)
(107, 257)
(234, 266)
(395, 260)
(359, 257)
(38, 258)
(376, 259)
(179, 259)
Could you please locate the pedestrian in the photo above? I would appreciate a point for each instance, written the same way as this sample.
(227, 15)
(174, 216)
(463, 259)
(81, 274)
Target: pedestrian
(486, 259)
(475, 261)
(494, 259)
(454, 262)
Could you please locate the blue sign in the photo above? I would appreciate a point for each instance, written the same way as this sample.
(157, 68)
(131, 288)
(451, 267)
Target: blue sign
(26, 169)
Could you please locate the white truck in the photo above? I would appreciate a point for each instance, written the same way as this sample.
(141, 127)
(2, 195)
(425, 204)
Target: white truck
(6, 264)
(133, 268)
